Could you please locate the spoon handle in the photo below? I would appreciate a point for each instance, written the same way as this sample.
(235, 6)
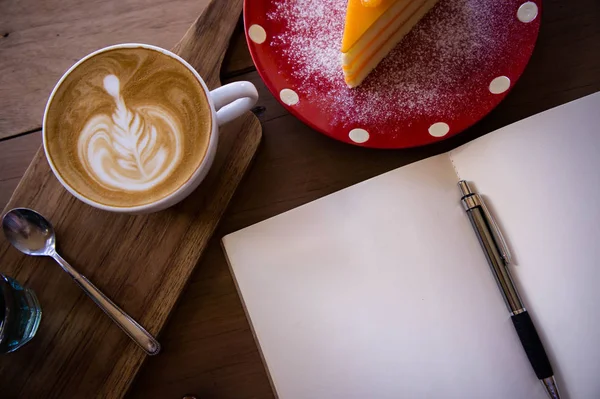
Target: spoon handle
(136, 332)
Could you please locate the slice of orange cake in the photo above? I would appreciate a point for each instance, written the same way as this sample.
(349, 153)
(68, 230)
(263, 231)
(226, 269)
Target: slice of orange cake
(372, 29)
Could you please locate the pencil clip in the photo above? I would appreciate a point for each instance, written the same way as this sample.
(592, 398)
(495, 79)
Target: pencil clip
(498, 237)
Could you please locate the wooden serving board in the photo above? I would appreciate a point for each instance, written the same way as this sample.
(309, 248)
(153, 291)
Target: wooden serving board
(142, 262)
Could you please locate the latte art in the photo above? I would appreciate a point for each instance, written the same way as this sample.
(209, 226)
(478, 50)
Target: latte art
(127, 127)
(132, 149)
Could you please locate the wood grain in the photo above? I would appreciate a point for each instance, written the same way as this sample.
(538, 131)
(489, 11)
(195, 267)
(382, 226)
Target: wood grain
(237, 60)
(201, 43)
(15, 157)
(141, 262)
(40, 40)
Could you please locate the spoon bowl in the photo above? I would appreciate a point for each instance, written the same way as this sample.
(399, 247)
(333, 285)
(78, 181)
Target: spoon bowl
(29, 232)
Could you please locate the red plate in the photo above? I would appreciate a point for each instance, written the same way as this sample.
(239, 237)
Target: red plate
(452, 69)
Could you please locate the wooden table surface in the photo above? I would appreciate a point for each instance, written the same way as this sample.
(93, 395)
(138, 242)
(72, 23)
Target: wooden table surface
(208, 348)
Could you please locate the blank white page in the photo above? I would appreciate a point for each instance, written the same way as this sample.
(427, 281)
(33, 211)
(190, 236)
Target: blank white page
(379, 291)
(541, 176)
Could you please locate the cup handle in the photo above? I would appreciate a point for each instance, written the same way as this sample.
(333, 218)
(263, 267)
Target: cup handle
(232, 100)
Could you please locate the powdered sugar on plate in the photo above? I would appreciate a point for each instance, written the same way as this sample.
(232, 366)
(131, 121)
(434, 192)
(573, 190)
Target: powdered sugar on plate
(433, 70)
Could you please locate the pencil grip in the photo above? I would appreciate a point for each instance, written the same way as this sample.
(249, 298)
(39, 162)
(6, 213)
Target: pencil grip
(532, 345)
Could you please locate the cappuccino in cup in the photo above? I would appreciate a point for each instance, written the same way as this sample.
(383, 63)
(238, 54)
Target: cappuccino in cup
(133, 128)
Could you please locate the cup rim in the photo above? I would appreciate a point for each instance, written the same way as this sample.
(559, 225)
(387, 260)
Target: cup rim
(156, 205)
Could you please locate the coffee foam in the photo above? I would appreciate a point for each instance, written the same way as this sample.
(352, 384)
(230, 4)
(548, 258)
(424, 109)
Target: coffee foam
(128, 126)
(130, 150)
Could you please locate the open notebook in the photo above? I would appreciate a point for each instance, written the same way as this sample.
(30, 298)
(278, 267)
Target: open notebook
(381, 290)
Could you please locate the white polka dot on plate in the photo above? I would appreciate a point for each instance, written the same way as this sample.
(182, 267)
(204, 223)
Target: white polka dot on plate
(289, 97)
(499, 85)
(527, 12)
(359, 135)
(439, 129)
(257, 34)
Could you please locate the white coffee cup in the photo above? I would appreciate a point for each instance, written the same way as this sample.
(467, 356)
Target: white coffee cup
(226, 102)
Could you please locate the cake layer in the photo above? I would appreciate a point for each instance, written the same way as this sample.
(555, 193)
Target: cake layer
(360, 18)
(359, 60)
(383, 27)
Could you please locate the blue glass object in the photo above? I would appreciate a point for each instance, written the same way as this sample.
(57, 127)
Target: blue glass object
(20, 314)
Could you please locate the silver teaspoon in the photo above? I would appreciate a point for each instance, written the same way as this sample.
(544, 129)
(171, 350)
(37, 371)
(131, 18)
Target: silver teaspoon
(32, 234)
